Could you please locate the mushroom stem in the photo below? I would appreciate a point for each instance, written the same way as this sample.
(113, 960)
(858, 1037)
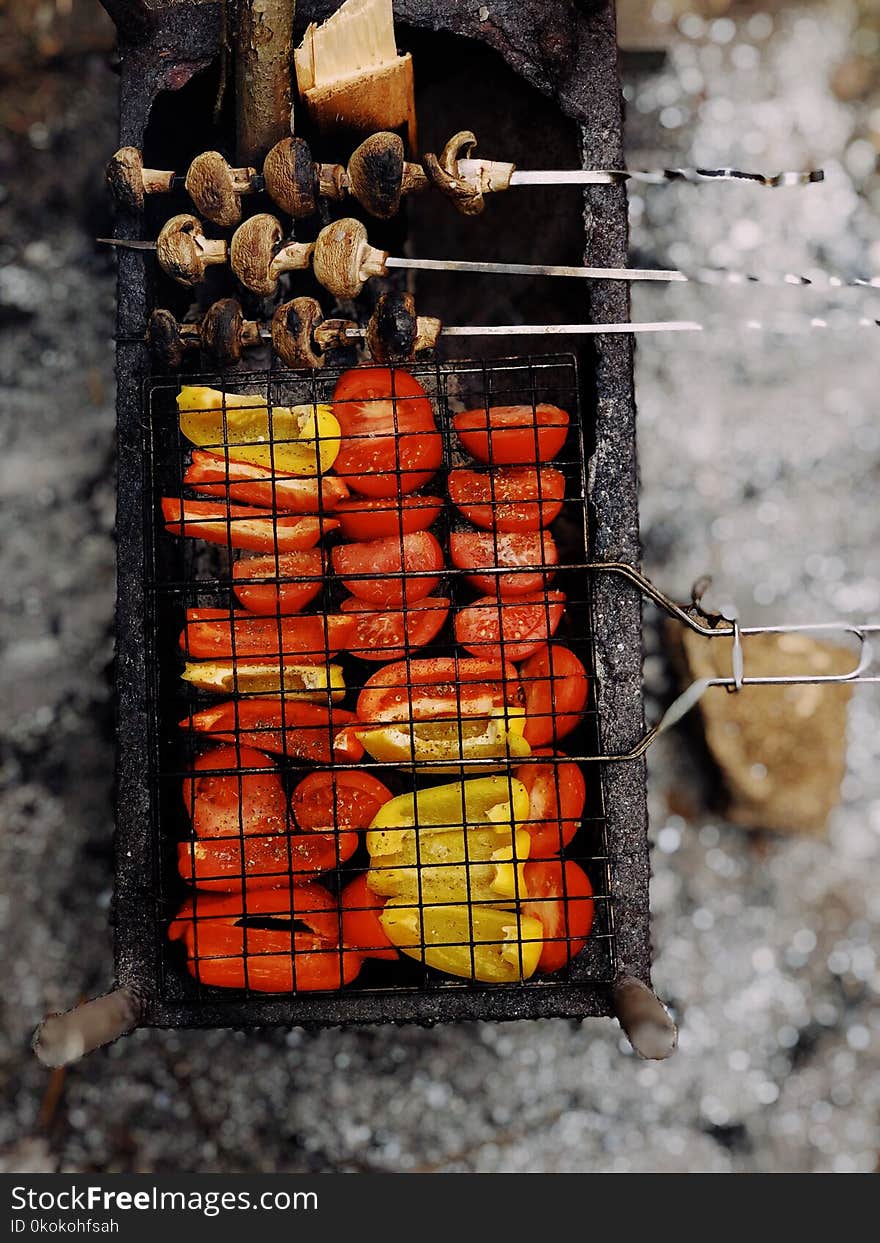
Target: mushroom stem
(290, 258)
(157, 181)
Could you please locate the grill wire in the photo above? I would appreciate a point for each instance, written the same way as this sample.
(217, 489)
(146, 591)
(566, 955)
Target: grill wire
(185, 573)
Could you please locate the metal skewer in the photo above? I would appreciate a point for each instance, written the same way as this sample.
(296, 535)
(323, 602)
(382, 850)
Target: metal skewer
(654, 176)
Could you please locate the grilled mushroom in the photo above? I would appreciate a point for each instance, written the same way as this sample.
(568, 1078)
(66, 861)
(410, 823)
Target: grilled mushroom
(295, 182)
(395, 333)
(216, 188)
(169, 340)
(129, 181)
(225, 331)
(378, 175)
(293, 329)
(258, 258)
(343, 259)
(184, 252)
(465, 192)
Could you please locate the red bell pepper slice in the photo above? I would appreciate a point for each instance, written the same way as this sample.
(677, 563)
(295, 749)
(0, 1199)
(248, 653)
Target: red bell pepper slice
(250, 484)
(509, 629)
(557, 795)
(361, 927)
(303, 731)
(438, 688)
(240, 526)
(330, 801)
(561, 897)
(286, 583)
(226, 803)
(391, 634)
(310, 903)
(390, 571)
(312, 640)
(228, 864)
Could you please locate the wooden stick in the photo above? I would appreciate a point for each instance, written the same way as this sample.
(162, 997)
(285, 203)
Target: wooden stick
(262, 76)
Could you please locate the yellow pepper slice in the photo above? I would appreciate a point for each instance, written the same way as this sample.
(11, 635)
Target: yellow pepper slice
(482, 800)
(455, 865)
(299, 440)
(228, 677)
(430, 743)
(477, 942)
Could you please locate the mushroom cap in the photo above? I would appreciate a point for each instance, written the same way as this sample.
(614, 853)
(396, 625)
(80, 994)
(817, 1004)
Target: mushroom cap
(337, 257)
(221, 330)
(392, 330)
(252, 250)
(375, 172)
(293, 326)
(210, 184)
(178, 250)
(290, 178)
(125, 177)
(163, 335)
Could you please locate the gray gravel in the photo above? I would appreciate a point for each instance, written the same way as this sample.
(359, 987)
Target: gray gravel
(760, 461)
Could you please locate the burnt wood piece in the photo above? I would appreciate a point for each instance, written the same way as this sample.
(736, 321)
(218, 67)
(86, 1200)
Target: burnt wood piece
(569, 53)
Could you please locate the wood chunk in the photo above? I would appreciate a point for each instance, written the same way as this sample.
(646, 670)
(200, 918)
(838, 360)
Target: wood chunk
(781, 749)
(350, 76)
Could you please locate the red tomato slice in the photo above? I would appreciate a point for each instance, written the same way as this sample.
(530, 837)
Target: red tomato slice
(373, 571)
(509, 630)
(556, 687)
(510, 498)
(220, 804)
(561, 896)
(250, 484)
(390, 443)
(291, 581)
(223, 864)
(392, 634)
(326, 802)
(482, 550)
(363, 518)
(312, 640)
(361, 928)
(240, 526)
(557, 794)
(512, 435)
(298, 730)
(442, 687)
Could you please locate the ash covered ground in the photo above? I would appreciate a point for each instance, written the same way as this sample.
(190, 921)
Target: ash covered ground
(760, 458)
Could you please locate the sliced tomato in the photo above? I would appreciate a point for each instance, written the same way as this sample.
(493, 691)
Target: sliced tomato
(327, 802)
(512, 630)
(287, 583)
(561, 897)
(222, 803)
(512, 435)
(485, 550)
(375, 571)
(241, 526)
(365, 518)
(510, 498)
(556, 687)
(390, 443)
(437, 689)
(557, 794)
(225, 864)
(250, 484)
(361, 928)
(220, 633)
(382, 634)
(298, 730)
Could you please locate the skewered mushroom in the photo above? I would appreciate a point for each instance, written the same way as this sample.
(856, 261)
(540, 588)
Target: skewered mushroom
(378, 175)
(343, 259)
(130, 181)
(395, 334)
(258, 258)
(216, 188)
(222, 333)
(184, 252)
(295, 182)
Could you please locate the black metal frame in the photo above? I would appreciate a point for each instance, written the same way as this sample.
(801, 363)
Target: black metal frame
(580, 70)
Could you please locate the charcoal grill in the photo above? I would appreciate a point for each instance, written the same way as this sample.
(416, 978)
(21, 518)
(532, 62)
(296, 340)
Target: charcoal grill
(567, 52)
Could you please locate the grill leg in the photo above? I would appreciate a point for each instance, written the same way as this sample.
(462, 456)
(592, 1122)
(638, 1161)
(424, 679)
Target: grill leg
(64, 1038)
(644, 1018)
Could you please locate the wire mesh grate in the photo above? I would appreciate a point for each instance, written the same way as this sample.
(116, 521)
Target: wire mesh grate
(249, 660)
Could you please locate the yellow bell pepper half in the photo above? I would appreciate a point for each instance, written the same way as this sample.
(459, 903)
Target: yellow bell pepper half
(298, 440)
(229, 677)
(477, 942)
(477, 864)
(500, 800)
(436, 746)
